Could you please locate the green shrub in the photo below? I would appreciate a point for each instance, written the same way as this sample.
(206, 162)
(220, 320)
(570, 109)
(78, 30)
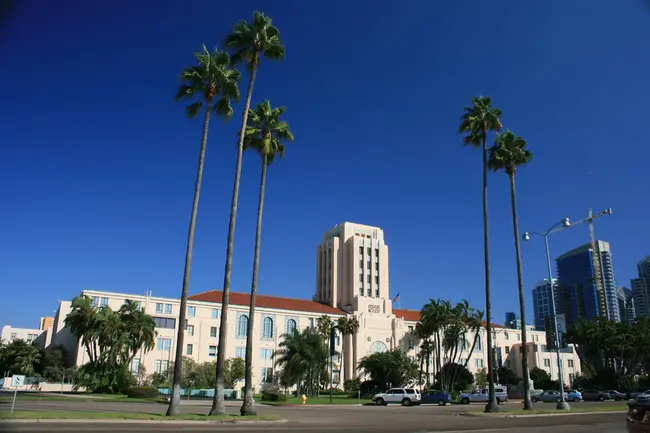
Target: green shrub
(142, 392)
(272, 396)
(352, 385)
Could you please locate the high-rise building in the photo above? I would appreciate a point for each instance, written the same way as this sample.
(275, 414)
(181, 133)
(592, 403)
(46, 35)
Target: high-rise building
(641, 288)
(512, 321)
(626, 304)
(543, 302)
(577, 296)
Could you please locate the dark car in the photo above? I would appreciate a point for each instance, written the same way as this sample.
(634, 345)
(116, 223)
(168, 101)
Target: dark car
(638, 417)
(595, 395)
(434, 396)
(618, 396)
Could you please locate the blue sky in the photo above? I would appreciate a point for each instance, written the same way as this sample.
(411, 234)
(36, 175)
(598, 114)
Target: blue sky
(98, 162)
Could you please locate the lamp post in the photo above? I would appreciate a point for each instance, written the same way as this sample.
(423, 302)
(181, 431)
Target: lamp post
(563, 224)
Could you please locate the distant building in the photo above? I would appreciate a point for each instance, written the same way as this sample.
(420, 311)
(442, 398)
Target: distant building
(577, 296)
(46, 323)
(10, 334)
(542, 302)
(641, 288)
(512, 321)
(626, 304)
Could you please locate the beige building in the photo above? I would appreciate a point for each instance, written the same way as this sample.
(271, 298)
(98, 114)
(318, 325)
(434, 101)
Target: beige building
(351, 280)
(46, 323)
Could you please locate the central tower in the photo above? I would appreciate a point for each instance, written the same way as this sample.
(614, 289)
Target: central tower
(352, 269)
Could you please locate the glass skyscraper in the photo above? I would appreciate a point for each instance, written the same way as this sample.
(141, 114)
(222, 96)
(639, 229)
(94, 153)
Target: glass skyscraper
(542, 302)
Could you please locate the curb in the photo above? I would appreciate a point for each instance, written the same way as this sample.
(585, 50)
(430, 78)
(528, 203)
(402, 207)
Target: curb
(134, 421)
(536, 415)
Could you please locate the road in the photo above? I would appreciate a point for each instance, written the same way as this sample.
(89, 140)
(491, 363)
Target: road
(338, 418)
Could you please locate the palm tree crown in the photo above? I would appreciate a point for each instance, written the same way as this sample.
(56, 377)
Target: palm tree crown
(265, 132)
(212, 76)
(478, 119)
(508, 153)
(251, 40)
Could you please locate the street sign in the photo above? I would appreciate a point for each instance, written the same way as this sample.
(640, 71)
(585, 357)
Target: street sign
(17, 381)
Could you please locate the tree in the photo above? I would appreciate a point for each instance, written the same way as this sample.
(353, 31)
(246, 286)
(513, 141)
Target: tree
(480, 378)
(212, 83)
(463, 377)
(507, 376)
(20, 357)
(476, 122)
(541, 379)
(249, 43)
(348, 327)
(265, 133)
(234, 372)
(389, 369)
(303, 357)
(508, 153)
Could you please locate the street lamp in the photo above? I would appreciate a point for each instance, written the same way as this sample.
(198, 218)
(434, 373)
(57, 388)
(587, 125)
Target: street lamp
(560, 225)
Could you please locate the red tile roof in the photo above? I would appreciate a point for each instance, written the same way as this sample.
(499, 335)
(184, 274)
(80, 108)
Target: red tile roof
(263, 301)
(414, 316)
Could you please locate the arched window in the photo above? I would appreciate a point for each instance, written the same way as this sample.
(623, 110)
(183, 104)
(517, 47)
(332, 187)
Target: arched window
(242, 326)
(291, 326)
(267, 330)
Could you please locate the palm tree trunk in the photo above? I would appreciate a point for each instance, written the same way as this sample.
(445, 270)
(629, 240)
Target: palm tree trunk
(492, 403)
(175, 401)
(218, 402)
(528, 405)
(247, 407)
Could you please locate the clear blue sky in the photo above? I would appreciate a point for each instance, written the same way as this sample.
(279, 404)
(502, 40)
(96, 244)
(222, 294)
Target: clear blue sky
(98, 162)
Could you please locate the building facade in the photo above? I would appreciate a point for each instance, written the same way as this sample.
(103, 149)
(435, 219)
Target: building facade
(577, 296)
(512, 321)
(543, 302)
(29, 335)
(641, 288)
(626, 304)
(351, 280)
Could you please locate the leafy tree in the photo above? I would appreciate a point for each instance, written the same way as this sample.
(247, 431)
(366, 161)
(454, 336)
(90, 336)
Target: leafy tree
(348, 327)
(303, 357)
(234, 372)
(249, 43)
(210, 83)
(20, 357)
(389, 369)
(541, 379)
(462, 377)
(265, 133)
(507, 376)
(477, 121)
(480, 378)
(352, 385)
(508, 153)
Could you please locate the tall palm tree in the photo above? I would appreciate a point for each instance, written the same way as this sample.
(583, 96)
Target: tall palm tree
(212, 83)
(265, 133)
(508, 153)
(476, 122)
(343, 325)
(249, 43)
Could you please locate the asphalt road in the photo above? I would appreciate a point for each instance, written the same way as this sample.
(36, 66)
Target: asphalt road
(395, 419)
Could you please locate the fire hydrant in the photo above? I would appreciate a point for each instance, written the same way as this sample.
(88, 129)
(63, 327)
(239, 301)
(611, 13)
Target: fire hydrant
(303, 398)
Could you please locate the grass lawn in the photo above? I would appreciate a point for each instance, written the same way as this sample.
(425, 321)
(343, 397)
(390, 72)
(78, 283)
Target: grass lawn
(576, 408)
(34, 414)
(337, 399)
(81, 398)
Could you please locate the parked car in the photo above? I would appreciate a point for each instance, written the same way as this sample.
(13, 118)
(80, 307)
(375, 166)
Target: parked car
(434, 396)
(595, 395)
(404, 396)
(549, 396)
(482, 395)
(644, 396)
(638, 416)
(574, 395)
(631, 395)
(618, 396)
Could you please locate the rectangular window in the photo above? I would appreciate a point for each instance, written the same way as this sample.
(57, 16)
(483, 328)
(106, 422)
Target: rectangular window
(240, 352)
(369, 250)
(266, 375)
(376, 279)
(479, 363)
(164, 322)
(159, 307)
(163, 344)
(191, 311)
(369, 265)
(215, 313)
(213, 331)
(570, 363)
(95, 301)
(377, 291)
(376, 252)
(103, 302)
(311, 322)
(212, 351)
(547, 362)
(190, 329)
(507, 335)
(376, 266)
(168, 308)
(135, 366)
(368, 279)
(361, 264)
(266, 353)
(361, 278)
(544, 349)
(507, 349)
(369, 291)
(189, 349)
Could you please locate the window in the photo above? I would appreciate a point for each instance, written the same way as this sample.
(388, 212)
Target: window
(376, 279)
(31, 337)
(14, 336)
(369, 280)
(507, 349)
(190, 329)
(376, 252)
(547, 362)
(95, 301)
(337, 339)
(369, 265)
(479, 345)
(103, 302)
(570, 363)
(479, 363)
(291, 326)
(159, 308)
(267, 328)
(168, 308)
(507, 335)
(191, 311)
(369, 250)
(376, 266)
(135, 366)
(361, 278)
(411, 328)
(361, 265)
(518, 337)
(369, 291)
(163, 344)
(215, 313)
(543, 348)
(361, 251)
(242, 326)
(266, 353)
(190, 349)
(240, 352)
(164, 322)
(377, 291)
(212, 351)
(213, 331)
(161, 366)
(266, 375)
(311, 322)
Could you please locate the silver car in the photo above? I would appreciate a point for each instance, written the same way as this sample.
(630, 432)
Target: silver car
(549, 396)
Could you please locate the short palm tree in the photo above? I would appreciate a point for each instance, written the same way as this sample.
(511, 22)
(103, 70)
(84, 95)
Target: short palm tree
(508, 153)
(477, 121)
(265, 134)
(249, 42)
(211, 84)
